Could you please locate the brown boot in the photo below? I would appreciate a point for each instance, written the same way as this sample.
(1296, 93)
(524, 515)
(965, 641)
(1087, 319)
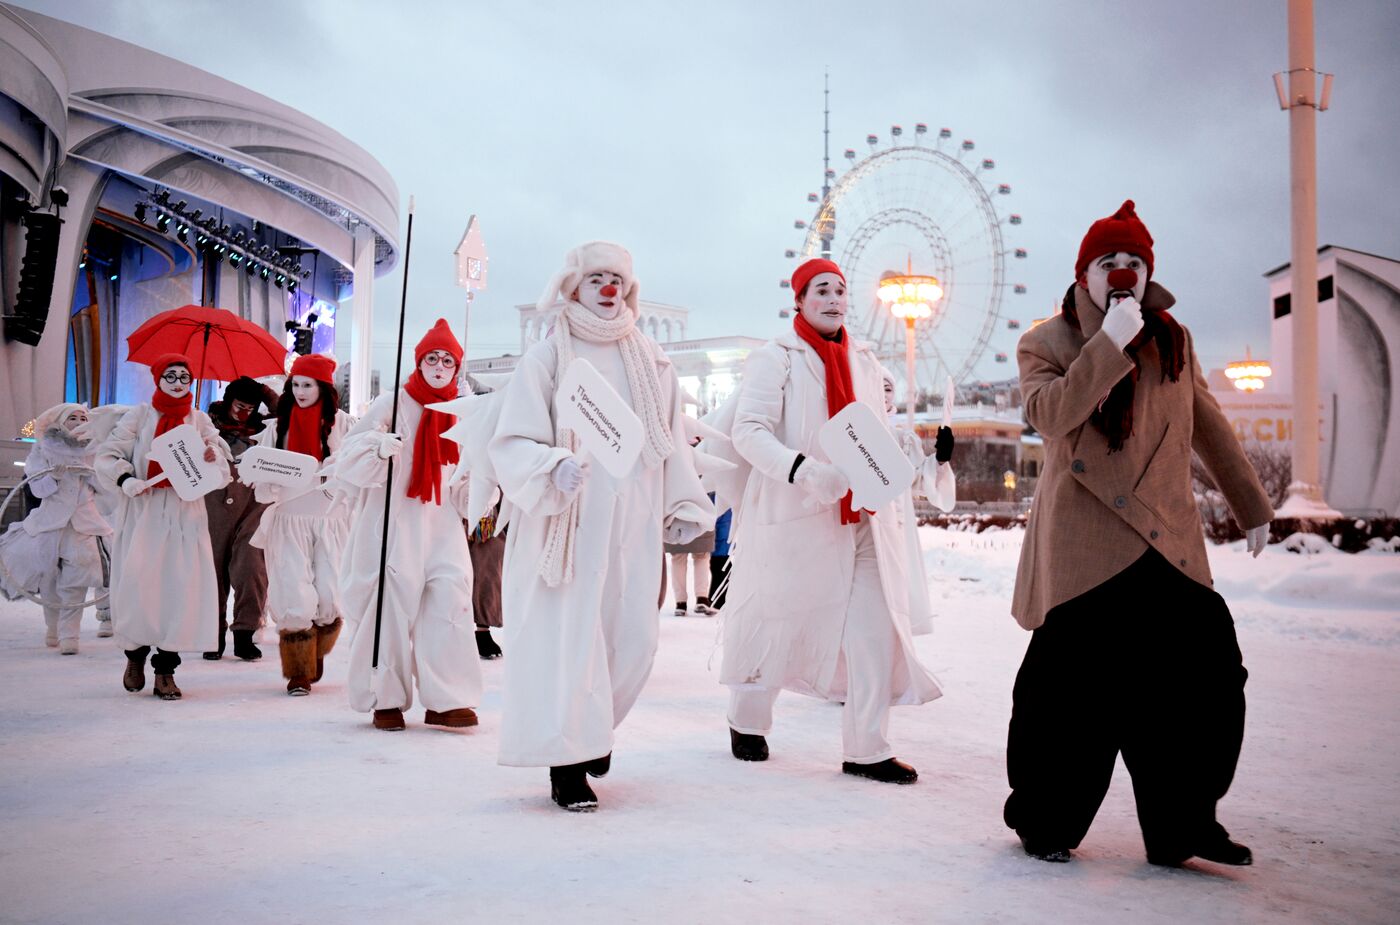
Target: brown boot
(134, 678)
(389, 720)
(298, 651)
(459, 718)
(325, 641)
(165, 688)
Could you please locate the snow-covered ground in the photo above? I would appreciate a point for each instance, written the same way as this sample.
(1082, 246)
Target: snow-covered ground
(241, 804)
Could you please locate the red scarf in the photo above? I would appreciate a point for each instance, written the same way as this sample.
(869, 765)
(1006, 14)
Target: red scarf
(173, 412)
(304, 431)
(431, 451)
(839, 390)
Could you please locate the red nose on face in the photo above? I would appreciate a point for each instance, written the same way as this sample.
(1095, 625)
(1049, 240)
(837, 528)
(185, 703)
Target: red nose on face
(1122, 279)
(608, 291)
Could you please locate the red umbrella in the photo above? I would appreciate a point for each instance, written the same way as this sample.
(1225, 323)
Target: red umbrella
(220, 344)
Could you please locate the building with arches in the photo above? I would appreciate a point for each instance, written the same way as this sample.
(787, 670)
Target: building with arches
(137, 183)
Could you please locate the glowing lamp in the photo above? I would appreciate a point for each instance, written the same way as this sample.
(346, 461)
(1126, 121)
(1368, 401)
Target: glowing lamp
(1248, 375)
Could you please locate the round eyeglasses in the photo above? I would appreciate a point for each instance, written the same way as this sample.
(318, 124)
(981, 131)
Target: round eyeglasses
(447, 361)
(177, 378)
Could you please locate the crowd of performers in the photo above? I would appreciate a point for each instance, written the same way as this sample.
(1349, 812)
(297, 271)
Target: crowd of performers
(497, 518)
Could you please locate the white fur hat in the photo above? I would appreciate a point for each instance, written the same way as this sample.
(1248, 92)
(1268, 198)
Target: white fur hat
(55, 416)
(590, 258)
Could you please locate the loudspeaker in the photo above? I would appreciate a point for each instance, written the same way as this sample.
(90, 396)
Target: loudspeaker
(26, 325)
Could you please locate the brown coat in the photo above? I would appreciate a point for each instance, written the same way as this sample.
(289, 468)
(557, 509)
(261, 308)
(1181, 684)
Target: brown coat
(1095, 512)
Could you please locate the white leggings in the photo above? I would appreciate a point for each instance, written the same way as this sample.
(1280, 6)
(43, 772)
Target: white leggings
(869, 647)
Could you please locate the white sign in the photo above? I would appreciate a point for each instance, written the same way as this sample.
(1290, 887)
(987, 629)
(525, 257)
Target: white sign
(180, 452)
(606, 425)
(272, 466)
(861, 445)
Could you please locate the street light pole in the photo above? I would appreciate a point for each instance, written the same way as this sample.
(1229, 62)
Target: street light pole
(909, 368)
(911, 297)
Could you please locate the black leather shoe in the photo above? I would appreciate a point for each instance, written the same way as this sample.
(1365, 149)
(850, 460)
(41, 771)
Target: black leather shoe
(1045, 851)
(486, 647)
(568, 786)
(889, 771)
(747, 747)
(243, 646)
(599, 767)
(1218, 848)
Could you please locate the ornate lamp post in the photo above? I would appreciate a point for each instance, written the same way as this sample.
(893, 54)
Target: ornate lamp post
(911, 297)
(1248, 375)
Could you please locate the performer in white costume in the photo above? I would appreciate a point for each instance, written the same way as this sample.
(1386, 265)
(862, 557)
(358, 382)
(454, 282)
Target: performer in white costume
(583, 560)
(164, 591)
(58, 549)
(427, 626)
(303, 535)
(819, 595)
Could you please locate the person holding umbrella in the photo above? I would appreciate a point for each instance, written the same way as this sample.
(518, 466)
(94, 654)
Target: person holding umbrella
(163, 585)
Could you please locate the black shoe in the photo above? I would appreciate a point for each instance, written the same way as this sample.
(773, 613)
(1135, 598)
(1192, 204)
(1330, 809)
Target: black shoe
(568, 786)
(213, 656)
(1217, 847)
(747, 747)
(1045, 851)
(243, 646)
(486, 647)
(599, 767)
(889, 771)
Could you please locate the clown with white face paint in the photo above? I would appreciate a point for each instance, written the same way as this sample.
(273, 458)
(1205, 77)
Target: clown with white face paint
(58, 550)
(819, 597)
(304, 535)
(164, 591)
(583, 558)
(427, 627)
(1132, 651)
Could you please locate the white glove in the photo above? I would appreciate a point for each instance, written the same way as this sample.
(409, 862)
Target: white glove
(568, 476)
(1123, 322)
(681, 532)
(823, 481)
(266, 493)
(133, 487)
(1256, 538)
(390, 446)
(44, 485)
(913, 447)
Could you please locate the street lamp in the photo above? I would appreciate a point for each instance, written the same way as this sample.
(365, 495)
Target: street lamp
(1248, 375)
(911, 297)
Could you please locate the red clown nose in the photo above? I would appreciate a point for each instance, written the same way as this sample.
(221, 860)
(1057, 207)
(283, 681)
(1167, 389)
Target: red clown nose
(1122, 279)
(608, 291)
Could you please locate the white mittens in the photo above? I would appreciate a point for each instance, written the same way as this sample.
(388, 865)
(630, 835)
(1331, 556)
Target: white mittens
(823, 481)
(1123, 322)
(681, 532)
(912, 446)
(390, 446)
(133, 486)
(569, 474)
(267, 493)
(43, 486)
(1256, 538)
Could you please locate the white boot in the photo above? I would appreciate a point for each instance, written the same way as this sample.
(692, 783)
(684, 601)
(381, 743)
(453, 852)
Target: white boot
(104, 622)
(68, 647)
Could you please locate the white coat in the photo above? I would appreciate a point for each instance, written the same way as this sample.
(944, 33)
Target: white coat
(427, 631)
(793, 566)
(303, 540)
(578, 655)
(163, 589)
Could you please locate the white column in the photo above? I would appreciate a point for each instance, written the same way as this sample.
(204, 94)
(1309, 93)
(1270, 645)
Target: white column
(362, 323)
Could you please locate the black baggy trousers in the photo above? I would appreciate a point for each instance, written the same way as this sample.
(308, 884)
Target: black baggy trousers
(1146, 664)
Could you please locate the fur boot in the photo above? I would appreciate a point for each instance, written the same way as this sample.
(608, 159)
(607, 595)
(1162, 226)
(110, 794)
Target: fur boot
(325, 641)
(298, 651)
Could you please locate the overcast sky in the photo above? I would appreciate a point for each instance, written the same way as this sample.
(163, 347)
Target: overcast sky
(691, 132)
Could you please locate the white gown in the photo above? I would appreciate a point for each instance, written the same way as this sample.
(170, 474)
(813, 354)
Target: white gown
(427, 631)
(578, 655)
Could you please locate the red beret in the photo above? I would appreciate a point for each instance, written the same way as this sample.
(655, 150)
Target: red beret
(167, 360)
(316, 366)
(1121, 231)
(814, 267)
(439, 337)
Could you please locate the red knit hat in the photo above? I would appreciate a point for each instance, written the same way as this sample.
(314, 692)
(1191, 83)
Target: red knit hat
(316, 366)
(439, 337)
(814, 267)
(1121, 231)
(167, 360)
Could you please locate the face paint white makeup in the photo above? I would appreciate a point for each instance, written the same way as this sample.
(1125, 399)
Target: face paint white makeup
(306, 391)
(436, 369)
(824, 305)
(174, 389)
(1101, 292)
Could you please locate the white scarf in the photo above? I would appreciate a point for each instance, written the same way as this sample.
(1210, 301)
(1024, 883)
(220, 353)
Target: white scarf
(557, 563)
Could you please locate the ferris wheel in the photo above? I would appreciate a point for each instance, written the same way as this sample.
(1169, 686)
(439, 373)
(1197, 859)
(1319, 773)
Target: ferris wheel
(928, 208)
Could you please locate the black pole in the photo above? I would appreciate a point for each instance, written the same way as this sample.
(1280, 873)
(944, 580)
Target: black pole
(393, 425)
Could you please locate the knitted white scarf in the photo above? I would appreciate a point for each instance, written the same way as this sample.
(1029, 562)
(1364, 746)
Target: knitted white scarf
(557, 563)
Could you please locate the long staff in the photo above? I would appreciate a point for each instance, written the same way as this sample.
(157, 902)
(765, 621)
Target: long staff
(393, 426)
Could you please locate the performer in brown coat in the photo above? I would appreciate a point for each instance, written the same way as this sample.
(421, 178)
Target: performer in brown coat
(1131, 651)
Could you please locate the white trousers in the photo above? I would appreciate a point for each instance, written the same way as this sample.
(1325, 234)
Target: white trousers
(700, 567)
(303, 568)
(869, 646)
(64, 620)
